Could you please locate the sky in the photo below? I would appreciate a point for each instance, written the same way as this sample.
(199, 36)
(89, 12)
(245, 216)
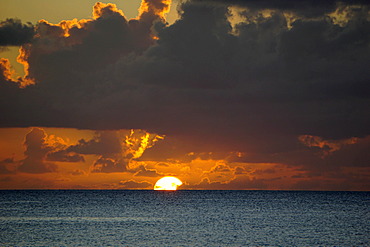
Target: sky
(224, 95)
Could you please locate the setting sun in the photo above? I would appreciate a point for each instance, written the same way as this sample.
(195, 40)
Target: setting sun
(167, 183)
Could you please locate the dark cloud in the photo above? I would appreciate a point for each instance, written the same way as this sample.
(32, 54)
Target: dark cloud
(103, 143)
(220, 168)
(114, 149)
(319, 157)
(143, 172)
(7, 166)
(305, 8)
(36, 151)
(40, 154)
(64, 156)
(78, 172)
(161, 164)
(108, 165)
(239, 170)
(131, 184)
(254, 86)
(239, 183)
(14, 33)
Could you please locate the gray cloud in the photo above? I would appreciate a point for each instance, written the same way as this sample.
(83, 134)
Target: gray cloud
(110, 164)
(131, 184)
(114, 150)
(108, 146)
(36, 151)
(14, 33)
(143, 172)
(40, 155)
(7, 166)
(103, 143)
(65, 156)
(345, 159)
(305, 8)
(235, 184)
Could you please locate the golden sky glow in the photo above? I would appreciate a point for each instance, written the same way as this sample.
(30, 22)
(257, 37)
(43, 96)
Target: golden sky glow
(57, 11)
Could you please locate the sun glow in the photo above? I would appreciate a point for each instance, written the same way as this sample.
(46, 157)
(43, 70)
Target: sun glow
(167, 183)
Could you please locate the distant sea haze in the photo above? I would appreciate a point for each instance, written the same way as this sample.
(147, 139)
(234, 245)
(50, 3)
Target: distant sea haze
(184, 218)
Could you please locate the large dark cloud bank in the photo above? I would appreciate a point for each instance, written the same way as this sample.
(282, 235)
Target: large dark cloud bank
(294, 69)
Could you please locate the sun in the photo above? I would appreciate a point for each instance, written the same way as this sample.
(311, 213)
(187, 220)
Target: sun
(167, 183)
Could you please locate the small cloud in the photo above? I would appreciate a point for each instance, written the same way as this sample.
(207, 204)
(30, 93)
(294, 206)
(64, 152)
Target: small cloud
(7, 166)
(131, 184)
(325, 147)
(238, 183)
(36, 152)
(220, 168)
(78, 172)
(64, 156)
(108, 165)
(264, 171)
(143, 172)
(162, 164)
(239, 170)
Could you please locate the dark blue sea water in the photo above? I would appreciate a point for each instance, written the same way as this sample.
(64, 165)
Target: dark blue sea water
(184, 218)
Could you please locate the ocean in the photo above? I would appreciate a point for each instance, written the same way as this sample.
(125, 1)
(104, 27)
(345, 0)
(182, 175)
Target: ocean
(184, 218)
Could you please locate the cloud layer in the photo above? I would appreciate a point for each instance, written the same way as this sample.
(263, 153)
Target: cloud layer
(198, 77)
(136, 159)
(268, 78)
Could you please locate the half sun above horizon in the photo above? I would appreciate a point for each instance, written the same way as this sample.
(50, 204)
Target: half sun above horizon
(167, 183)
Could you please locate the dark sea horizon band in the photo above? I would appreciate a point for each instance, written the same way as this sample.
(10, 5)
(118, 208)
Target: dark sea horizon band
(246, 190)
(183, 218)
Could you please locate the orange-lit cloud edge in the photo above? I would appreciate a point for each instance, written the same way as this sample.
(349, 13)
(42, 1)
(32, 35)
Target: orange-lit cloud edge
(148, 11)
